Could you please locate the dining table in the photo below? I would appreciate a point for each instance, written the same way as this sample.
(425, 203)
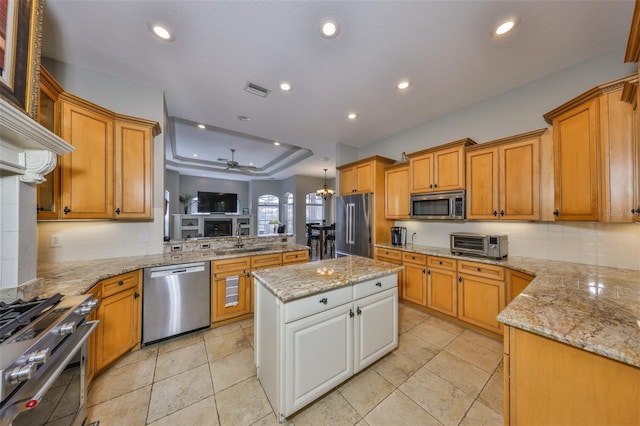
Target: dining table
(323, 236)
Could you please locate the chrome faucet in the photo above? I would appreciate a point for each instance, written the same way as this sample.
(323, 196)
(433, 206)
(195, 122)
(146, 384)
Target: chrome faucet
(239, 236)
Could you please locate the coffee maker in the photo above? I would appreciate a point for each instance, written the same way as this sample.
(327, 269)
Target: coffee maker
(398, 235)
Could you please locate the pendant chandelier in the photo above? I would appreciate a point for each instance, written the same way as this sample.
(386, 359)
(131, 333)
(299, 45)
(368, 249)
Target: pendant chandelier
(325, 192)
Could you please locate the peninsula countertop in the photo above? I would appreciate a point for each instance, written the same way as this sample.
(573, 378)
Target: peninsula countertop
(296, 281)
(591, 307)
(76, 277)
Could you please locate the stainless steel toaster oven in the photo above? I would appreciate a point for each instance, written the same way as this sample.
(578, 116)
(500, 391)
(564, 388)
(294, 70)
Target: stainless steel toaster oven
(493, 246)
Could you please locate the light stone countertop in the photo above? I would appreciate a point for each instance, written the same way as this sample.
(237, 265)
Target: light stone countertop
(76, 277)
(297, 281)
(590, 307)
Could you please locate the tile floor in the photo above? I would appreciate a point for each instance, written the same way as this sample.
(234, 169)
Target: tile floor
(440, 374)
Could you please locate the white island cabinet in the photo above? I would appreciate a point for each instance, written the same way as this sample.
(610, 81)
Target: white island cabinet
(305, 346)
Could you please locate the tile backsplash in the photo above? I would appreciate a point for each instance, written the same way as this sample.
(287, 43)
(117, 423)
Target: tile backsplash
(603, 244)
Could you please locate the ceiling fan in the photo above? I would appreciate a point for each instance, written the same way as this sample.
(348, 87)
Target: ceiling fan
(233, 164)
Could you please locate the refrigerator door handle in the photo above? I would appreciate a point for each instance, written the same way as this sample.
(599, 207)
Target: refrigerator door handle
(350, 224)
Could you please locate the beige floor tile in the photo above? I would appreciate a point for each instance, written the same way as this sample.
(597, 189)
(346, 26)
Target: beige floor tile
(219, 331)
(136, 356)
(242, 404)
(127, 409)
(366, 390)
(248, 332)
(180, 342)
(396, 368)
(398, 409)
(441, 399)
(499, 371)
(119, 381)
(331, 410)
(475, 354)
(270, 420)
(468, 378)
(180, 360)
(362, 422)
(179, 391)
(232, 369)
(416, 349)
(480, 415)
(409, 318)
(246, 323)
(432, 334)
(446, 325)
(199, 414)
(484, 341)
(223, 345)
(493, 394)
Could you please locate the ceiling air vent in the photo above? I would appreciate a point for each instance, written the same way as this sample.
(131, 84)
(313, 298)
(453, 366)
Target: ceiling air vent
(257, 90)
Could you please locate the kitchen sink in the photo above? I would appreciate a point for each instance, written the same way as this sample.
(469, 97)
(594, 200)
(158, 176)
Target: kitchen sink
(240, 250)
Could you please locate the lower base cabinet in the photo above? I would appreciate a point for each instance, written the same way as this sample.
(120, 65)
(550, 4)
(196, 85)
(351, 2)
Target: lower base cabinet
(306, 347)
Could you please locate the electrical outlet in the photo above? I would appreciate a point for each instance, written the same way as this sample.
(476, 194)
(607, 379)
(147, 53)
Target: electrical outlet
(143, 237)
(55, 240)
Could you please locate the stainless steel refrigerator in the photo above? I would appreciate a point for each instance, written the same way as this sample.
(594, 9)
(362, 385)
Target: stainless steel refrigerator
(354, 225)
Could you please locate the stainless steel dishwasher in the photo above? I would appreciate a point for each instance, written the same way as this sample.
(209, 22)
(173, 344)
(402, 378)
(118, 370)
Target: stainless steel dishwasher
(175, 299)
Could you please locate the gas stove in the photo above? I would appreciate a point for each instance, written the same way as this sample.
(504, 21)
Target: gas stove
(37, 338)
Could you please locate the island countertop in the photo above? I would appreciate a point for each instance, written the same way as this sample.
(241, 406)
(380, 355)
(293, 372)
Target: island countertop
(296, 281)
(590, 307)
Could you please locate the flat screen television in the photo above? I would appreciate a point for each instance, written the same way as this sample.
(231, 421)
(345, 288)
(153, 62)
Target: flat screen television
(217, 202)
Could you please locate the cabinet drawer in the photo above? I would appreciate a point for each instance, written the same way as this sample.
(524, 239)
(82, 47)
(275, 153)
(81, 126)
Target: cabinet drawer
(299, 256)
(441, 263)
(414, 258)
(227, 265)
(376, 285)
(481, 270)
(266, 261)
(317, 303)
(120, 283)
(388, 254)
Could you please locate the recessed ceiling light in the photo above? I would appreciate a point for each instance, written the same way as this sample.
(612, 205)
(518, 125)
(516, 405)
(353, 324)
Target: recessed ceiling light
(201, 126)
(329, 28)
(244, 118)
(195, 155)
(285, 87)
(161, 31)
(251, 164)
(352, 116)
(403, 85)
(276, 143)
(505, 27)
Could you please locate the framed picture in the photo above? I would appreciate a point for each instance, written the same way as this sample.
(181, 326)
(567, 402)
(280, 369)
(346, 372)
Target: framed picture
(20, 50)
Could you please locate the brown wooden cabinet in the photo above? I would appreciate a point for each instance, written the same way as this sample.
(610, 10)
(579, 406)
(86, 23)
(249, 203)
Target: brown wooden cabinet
(92, 347)
(396, 191)
(414, 283)
(294, 257)
(515, 283)
(390, 256)
(481, 294)
(119, 315)
(503, 178)
(357, 178)
(231, 292)
(593, 155)
(441, 168)
(442, 290)
(548, 382)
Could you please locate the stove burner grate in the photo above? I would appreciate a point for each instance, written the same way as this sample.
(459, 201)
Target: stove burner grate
(17, 314)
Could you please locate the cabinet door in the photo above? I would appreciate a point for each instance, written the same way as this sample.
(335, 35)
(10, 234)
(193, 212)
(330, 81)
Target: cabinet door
(576, 169)
(133, 171)
(87, 172)
(482, 184)
(414, 286)
(92, 354)
(442, 291)
(376, 327)
(397, 193)
(48, 192)
(520, 180)
(293, 257)
(231, 295)
(421, 173)
(364, 177)
(347, 181)
(318, 355)
(516, 282)
(119, 328)
(480, 300)
(448, 169)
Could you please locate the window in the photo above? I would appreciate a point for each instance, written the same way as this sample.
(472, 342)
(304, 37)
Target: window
(268, 209)
(315, 208)
(287, 212)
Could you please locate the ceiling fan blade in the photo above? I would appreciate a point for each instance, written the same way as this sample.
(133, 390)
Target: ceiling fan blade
(223, 159)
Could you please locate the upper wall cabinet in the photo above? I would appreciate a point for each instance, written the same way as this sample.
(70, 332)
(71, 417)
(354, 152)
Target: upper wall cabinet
(396, 182)
(440, 168)
(109, 173)
(504, 177)
(594, 149)
(631, 94)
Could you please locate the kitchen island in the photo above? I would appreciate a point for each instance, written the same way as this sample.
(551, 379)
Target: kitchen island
(317, 324)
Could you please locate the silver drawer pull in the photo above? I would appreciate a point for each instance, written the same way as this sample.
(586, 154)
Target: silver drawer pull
(324, 300)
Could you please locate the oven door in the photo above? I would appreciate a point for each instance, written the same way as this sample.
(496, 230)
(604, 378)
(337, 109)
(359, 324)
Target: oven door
(58, 391)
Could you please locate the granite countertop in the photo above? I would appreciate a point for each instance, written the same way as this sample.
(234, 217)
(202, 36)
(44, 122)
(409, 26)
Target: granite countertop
(590, 307)
(76, 277)
(296, 281)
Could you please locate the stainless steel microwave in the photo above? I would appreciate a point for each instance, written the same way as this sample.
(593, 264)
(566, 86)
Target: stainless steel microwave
(438, 206)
